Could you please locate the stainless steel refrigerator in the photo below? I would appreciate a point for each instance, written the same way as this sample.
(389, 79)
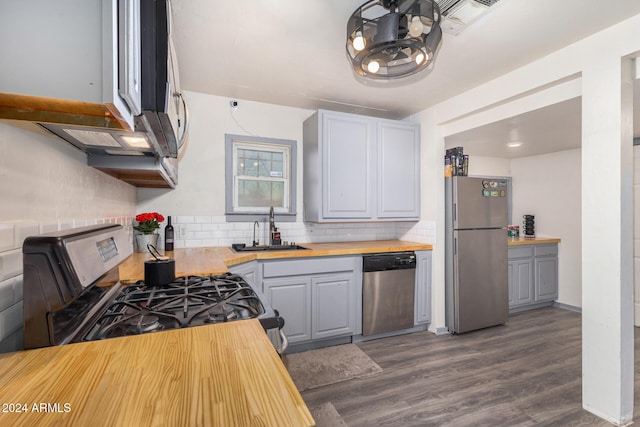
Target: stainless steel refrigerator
(476, 278)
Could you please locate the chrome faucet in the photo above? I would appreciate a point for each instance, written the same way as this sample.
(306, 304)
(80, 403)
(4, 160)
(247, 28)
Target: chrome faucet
(255, 242)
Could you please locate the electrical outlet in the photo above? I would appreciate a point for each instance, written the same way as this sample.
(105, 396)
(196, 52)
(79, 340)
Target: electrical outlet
(182, 232)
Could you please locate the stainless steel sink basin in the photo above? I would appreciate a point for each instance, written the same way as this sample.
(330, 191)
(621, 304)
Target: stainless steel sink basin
(241, 247)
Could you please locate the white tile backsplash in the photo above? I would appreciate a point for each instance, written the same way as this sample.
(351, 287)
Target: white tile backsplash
(199, 231)
(25, 229)
(48, 227)
(7, 293)
(10, 264)
(7, 236)
(10, 320)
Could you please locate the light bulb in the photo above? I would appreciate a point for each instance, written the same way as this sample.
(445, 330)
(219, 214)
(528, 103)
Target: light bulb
(137, 141)
(416, 27)
(420, 58)
(373, 67)
(359, 42)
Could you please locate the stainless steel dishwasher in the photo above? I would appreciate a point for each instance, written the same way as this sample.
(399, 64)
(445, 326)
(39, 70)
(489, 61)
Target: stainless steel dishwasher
(388, 290)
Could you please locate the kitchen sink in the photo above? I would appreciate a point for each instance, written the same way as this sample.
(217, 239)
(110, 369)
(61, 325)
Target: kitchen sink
(241, 247)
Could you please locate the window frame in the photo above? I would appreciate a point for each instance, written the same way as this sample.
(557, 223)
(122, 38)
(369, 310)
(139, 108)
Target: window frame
(235, 142)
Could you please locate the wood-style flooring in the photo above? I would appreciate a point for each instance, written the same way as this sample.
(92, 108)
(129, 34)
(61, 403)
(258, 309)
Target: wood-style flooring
(526, 373)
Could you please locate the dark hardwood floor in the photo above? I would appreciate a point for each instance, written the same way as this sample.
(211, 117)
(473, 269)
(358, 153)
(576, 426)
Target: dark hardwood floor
(526, 373)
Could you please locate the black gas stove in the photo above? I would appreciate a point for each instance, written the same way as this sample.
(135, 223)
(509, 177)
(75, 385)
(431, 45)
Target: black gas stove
(72, 293)
(188, 301)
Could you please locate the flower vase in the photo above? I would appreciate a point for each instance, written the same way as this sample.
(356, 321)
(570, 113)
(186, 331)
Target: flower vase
(142, 240)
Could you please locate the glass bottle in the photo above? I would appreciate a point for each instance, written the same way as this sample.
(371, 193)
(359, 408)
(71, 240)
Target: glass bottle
(168, 235)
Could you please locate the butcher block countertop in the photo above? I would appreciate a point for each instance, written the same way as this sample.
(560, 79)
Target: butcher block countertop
(535, 241)
(216, 375)
(215, 260)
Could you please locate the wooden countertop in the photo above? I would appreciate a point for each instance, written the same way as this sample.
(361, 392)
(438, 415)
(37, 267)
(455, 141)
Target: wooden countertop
(536, 241)
(215, 260)
(216, 375)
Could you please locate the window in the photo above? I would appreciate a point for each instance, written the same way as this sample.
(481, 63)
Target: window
(260, 173)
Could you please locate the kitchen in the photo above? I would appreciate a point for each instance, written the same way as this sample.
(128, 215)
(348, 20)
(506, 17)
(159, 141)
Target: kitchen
(69, 193)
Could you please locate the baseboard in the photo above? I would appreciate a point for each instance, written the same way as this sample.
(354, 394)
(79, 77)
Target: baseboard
(442, 331)
(313, 345)
(527, 307)
(568, 307)
(361, 338)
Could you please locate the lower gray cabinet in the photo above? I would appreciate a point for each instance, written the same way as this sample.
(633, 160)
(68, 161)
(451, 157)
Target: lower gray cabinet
(333, 305)
(422, 309)
(291, 296)
(533, 275)
(317, 297)
(248, 271)
(546, 268)
(520, 269)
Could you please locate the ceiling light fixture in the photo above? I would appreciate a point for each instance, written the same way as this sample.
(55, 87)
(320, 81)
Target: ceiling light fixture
(389, 39)
(514, 144)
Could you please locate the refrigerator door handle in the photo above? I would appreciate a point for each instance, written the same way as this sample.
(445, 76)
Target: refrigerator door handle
(455, 212)
(455, 246)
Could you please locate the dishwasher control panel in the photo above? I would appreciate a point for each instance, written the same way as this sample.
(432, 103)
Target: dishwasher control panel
(389, 261)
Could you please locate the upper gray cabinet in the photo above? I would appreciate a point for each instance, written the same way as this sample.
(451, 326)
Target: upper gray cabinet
(359, 168)
(75, 62)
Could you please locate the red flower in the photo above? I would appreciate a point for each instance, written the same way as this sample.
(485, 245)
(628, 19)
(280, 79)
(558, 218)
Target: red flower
(148, 222)
(149, 216)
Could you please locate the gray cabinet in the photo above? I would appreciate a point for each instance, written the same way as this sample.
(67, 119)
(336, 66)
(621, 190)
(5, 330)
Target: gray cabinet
(359, 168)
(317, 297)
(333, 305)
(533, 276)
(422, 308)
(398, 156)
(546, 272)
(248, 271)
(520, 270)
(73, 62)
(291, 296)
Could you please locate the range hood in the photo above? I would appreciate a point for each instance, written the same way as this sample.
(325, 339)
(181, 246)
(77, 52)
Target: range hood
(139, 171)
(159, 127)
(147, 139)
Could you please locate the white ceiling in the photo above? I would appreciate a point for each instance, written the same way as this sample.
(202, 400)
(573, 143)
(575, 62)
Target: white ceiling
(553, 128)
(293, 53)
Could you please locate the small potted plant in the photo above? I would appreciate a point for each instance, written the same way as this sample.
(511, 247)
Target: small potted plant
(148, 223)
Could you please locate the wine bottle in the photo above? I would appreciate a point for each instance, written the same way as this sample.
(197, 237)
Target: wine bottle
(168, 235)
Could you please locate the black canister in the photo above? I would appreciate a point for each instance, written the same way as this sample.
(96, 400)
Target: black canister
(529, 225)
(159, 272)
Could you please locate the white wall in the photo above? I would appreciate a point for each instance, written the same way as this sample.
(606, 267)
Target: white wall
(489, 166)
(45, 186)
(606, 309)
(46, 179)
(636, 232)
(197, 204)
(549, 187)
(200, 189)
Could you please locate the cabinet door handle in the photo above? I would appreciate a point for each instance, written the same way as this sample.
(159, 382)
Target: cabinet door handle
(455, 212)
(186, 120)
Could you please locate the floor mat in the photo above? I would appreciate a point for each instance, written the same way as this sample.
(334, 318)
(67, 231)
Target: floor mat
(329, 365)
